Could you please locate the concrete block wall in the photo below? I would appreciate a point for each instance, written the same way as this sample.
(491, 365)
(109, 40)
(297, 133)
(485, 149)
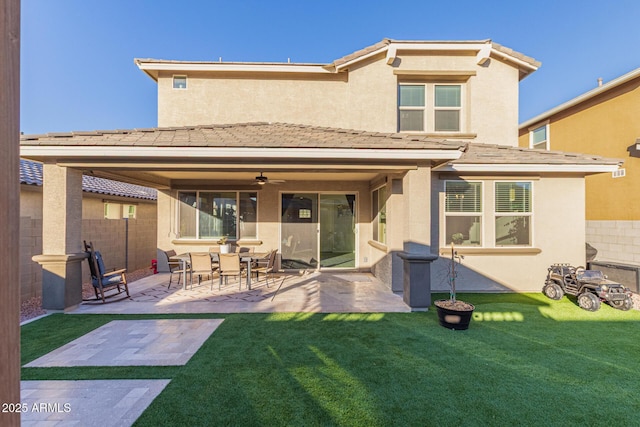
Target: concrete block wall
(617, 241)
(107, 235)
(30, 244)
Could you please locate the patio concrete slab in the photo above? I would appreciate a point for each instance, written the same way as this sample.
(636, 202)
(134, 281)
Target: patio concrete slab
(315, 292)
(88, 402)
(165, 342)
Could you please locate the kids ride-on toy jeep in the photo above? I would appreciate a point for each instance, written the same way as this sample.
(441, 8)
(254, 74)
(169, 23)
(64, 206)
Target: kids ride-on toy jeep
(589, 286)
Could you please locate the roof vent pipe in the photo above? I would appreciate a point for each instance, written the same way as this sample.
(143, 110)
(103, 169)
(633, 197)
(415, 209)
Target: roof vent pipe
(599, 81)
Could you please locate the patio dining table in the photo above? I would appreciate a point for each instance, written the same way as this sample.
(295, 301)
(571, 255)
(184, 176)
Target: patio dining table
(245, 257)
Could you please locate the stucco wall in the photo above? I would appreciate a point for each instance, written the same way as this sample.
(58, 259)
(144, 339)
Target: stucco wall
(607, 127)
(365, 98)
(558, 233)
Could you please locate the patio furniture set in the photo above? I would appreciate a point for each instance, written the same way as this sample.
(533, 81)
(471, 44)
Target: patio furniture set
(193, 264)
(238, 264)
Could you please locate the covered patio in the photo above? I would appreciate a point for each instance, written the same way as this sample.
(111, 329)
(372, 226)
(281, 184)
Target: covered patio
(302, 292)
(327, 199)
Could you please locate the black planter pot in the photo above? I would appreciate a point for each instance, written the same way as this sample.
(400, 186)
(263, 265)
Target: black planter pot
(451, 318)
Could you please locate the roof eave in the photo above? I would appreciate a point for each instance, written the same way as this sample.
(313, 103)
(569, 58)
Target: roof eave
(528, 168)
(581, 98)
(153, 152)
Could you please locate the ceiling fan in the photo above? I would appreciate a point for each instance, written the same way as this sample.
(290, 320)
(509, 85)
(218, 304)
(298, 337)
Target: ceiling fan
(262, 180)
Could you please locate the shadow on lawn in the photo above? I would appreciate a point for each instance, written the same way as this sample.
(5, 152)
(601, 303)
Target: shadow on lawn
(404, 369)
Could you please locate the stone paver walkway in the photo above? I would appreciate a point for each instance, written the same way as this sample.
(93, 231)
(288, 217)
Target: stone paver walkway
(174, 341)
(103, 403)
(134, 343)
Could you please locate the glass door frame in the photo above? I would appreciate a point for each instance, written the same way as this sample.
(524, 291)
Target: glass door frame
(356, 210)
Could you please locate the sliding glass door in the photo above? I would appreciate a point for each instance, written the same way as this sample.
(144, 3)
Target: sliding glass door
(337, 231)
(318, 230)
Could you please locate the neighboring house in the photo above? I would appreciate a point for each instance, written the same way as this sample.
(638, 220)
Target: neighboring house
(375, 162)
(104, 205)
(603, 121)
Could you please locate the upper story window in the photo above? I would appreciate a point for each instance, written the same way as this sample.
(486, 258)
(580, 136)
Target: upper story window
(216, 214)
(430, 107)
(539, 137)
(179, 82)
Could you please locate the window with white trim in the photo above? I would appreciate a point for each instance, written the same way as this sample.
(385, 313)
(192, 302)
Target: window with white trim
(539, 138)
(430, 107)
(179, 82)
(463, 213)
(216, 214)
(513, 213)
(379, 208)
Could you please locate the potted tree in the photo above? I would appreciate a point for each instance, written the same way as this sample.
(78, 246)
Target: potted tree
(225, 246)
(453, 313)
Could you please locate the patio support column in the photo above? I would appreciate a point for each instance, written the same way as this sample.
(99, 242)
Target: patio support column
(417, 256)
(61, 238)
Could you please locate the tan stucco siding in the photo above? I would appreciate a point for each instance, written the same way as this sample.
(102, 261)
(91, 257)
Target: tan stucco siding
(609, 128)
(253, 98)
(363, 98)
(558, 234)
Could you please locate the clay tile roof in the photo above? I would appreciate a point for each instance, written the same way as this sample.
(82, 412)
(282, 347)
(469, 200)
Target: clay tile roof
(259, 135)
(284, 135)
(31, 174)
(499, 154)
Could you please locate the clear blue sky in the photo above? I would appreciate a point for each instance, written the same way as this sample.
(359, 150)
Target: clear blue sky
(77, 70)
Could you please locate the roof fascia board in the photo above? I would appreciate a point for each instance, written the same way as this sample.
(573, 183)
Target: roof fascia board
(236, 67)
(237, 152)
(510, 58)
(582, 98)
(521, 168)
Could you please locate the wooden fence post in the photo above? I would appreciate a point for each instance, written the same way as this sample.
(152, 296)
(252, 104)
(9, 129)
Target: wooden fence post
(10, 211)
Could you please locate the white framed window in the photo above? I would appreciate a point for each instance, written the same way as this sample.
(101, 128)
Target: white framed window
(430, 107)
(539, 137)
(513, 213)
(179, 82)
(216, 214)
(112, 210)
(129, 211)
(379, 209)
(463, 213)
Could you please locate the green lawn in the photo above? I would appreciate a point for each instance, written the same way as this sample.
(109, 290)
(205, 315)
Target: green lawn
(525, 360)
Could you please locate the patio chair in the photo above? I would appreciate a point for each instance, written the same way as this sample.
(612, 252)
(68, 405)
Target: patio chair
(102, 280)
(265, 266)
(175, 266)
(230, 266)
(201, 265)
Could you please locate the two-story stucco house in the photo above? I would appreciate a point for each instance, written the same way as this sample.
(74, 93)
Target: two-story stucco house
(375, 162)
(602, 121)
